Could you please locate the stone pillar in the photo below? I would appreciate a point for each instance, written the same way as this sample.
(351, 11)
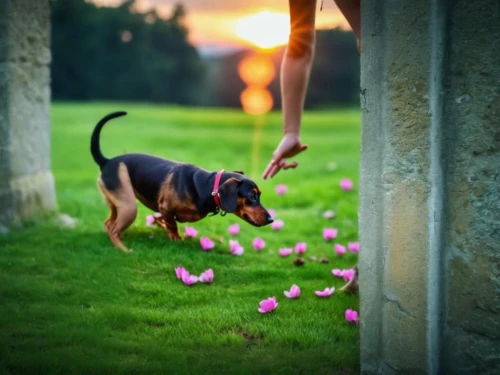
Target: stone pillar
(430, 187)
(26, 182)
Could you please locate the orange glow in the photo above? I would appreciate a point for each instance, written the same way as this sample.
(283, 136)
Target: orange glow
(256, 100)
(234, 23)
(264, 29)
(256, 70)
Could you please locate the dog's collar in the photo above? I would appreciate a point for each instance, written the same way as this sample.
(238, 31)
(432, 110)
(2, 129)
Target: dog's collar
(215, 191)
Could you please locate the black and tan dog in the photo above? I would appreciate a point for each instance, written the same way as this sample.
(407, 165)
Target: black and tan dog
(180, 192)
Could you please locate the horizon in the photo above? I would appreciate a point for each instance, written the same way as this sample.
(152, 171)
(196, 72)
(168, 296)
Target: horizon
(229, 26)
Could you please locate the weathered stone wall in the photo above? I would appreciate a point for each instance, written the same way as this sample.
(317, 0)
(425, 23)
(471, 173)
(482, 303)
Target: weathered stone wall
(472, 113)
(430, 187)
(26, 182)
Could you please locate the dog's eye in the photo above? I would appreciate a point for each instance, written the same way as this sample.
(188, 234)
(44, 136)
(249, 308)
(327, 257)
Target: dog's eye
(253, 197)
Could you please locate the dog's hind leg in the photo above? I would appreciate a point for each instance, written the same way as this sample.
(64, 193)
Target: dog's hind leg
(123, 208)
(108, 223)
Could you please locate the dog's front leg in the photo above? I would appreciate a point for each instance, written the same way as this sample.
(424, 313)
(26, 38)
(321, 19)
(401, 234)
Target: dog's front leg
(171, 226)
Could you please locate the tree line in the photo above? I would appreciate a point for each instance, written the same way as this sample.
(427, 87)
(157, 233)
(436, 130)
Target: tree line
(101, 53)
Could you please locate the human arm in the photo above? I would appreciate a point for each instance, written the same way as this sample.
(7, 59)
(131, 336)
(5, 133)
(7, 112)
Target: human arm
(295, 72)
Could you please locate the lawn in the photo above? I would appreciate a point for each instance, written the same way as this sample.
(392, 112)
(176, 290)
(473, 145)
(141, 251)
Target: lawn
(73, 304)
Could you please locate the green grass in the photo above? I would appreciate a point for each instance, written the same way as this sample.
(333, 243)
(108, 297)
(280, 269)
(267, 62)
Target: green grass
(71, 303)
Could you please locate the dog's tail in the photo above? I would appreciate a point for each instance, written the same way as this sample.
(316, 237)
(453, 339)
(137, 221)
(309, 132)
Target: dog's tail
(95, 148)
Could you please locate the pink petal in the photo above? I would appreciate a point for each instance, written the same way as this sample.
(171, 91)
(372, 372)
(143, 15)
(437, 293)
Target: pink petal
(206, 244)
(281, 189)
(189, 279)
(233, 244)
(234, 229)
(268, 305)
(353, 247)
(237, 250)
(325, 293)
(346, 184)
(351, 316)
(285, 252)
(293, 293)
(157, 215)
(272, 213)
(258, 244)
(179, 271)
(150, 220)
(348, 274)
(339, 249)
(190, 232)
(337, 272)
(277, 224)
(207, 276)
(300, 247)
(330, 233)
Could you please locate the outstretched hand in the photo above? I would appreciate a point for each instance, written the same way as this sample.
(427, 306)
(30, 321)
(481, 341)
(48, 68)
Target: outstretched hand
(289, 146)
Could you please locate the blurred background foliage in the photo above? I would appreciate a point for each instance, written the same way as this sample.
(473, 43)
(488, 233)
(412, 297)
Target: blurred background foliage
(102, 53)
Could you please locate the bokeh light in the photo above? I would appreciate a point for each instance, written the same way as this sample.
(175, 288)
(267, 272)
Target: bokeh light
(256, 70)
(256, 100)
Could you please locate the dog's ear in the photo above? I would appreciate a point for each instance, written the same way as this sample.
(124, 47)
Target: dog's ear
(228, 194)
(239, 172)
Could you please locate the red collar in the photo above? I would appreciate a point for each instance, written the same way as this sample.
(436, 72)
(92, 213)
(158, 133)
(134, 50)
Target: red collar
(215, 192)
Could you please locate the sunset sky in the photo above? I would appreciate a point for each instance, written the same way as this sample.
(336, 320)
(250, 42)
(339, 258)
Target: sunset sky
(228, 23)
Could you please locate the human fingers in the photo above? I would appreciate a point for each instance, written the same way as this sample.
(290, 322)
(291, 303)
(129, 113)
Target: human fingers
(290, 165)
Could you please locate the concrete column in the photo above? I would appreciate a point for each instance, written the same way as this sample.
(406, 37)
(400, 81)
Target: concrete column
(430, 187)
(26, 182)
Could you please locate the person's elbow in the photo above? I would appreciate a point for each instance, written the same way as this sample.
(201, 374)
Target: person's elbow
(301, 44)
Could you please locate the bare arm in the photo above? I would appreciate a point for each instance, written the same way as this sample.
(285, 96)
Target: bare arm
(295, 71)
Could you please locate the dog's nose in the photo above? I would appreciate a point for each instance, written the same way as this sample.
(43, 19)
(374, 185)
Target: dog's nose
(269, 219)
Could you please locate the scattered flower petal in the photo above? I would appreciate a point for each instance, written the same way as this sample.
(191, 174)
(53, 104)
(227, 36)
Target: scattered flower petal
(235, 248)
(157, 215)
(294, 292)
(272, 213)
(300, 247)
(329, 214)
(330, 233)
(353, 247)
(258, 244)
(337, 272)
(233, 244)
(277, 224)
(206, 244)
(284, 252)
(189, 279)
(234, 229)
(352, 316)
(339, 249)
(348, 274)
(267, 305)
(346, 184)
(327, 292)
(190, 232)
(150, 220)
(207, 276)
(281, 189)
(179, 271)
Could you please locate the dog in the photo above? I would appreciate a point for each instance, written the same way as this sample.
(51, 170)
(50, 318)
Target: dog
(180, 192)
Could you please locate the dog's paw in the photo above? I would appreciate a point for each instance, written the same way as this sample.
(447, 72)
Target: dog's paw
(175, 236)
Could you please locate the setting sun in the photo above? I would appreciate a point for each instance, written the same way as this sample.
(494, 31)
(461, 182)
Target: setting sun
(264, 29)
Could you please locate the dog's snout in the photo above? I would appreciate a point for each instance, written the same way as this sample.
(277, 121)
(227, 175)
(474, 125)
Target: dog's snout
(269, 219)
